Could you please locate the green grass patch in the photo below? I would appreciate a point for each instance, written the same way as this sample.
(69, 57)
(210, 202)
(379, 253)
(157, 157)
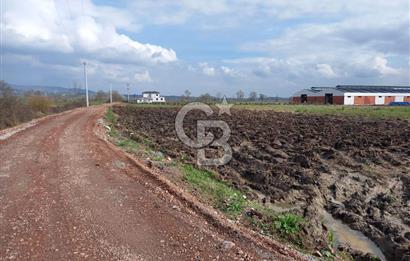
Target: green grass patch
(128, 145)
(225, 198)
(331, 238)
(288, 223)
(111, 119)
(110, 116)
(132, 145)
(232, 202)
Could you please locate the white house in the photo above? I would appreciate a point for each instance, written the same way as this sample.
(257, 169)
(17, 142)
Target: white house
(151, 97)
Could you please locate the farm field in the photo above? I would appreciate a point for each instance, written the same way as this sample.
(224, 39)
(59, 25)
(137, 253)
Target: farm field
(378, 112)
(374, 112)
(319, 164)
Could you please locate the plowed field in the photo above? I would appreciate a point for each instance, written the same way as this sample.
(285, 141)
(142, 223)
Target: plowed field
(356, 169)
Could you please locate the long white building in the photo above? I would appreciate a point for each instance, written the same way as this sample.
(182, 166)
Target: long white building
(353, 95)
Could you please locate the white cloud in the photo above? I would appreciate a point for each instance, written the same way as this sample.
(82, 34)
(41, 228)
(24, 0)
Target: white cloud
(349, 49)
(352, 41)
(206, 69)
(230, 13)
(50, 26)
(229, 71)
(326, 70)
(380, 64)
(143, 76)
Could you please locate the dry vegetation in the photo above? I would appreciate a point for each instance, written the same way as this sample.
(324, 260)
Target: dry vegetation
(18, 109)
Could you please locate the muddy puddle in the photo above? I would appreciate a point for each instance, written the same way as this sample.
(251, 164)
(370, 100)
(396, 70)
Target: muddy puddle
(343, 234)
(355, 239)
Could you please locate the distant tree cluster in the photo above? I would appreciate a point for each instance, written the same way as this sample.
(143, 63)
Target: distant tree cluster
(17, 109)
(116, 96)
(240, 96)
(206, 98)
(102, 96)
(253, 96)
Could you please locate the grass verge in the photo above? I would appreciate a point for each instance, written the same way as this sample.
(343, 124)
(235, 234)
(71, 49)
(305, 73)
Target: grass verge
(235, 205)
(225, 198)
(141, 147)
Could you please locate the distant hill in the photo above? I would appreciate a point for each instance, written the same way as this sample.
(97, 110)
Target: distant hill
(50, 90)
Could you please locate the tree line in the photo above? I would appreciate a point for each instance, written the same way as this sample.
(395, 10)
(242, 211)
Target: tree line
(240, 96)
(16, 109)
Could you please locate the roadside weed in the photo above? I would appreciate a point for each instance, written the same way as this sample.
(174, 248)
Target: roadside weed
(227, 199)
(288, 223)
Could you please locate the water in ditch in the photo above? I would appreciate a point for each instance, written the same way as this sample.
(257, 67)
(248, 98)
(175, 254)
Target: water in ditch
(355, 239)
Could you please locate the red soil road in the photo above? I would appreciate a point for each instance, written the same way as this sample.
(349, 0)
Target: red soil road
(66, 195)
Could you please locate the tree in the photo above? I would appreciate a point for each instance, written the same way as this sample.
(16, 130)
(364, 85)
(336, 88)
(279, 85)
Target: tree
(7, 106)
(116, 96)
(240, 95)
(262, 97)
(187, 94)
(253, 96)
(100, 96)
(205, 97)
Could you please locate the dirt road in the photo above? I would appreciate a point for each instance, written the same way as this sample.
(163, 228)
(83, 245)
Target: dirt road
(65, 194)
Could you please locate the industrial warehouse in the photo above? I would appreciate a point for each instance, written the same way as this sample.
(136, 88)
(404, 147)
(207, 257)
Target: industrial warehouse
(354, 95)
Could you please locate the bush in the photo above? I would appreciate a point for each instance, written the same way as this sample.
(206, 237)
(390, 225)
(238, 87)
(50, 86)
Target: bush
(12, 109)
(18, 109)
(116, 96)
(288, 223)
(40, 103)
(101, 96)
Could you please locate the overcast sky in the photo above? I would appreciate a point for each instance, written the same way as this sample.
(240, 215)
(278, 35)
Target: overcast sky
(273, 47)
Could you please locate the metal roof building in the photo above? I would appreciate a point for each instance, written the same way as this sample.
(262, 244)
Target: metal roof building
(373, 88)
(353, 95)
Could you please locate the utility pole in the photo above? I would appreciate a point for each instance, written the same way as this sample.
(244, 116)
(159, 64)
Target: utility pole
(86, 84)
(128, 92)
(111, 93)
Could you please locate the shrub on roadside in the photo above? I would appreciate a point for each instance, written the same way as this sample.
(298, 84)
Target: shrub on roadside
(16, 109)
(40, 103)
(13, 110)
(288, 223)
